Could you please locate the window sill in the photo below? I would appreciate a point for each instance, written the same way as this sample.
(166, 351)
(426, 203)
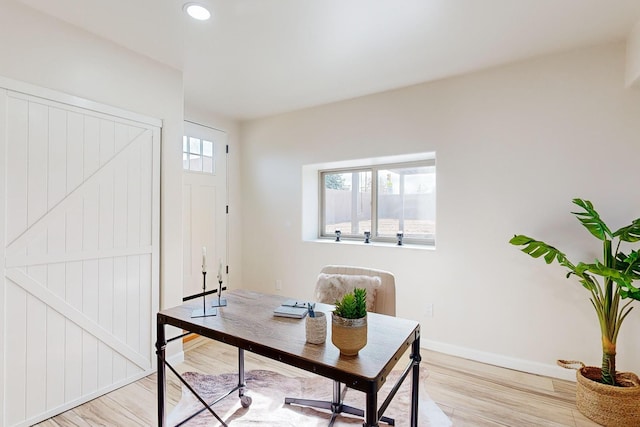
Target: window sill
(372, 244)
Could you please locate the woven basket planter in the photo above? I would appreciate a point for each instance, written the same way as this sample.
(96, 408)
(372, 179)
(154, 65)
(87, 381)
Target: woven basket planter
(611, 406)
(349, 335)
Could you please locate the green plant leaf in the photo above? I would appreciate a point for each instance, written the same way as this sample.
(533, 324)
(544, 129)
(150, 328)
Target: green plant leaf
(630, 292)
(591, 220)
(630, 233)
(520, 240)
(629, 263)
(360, 295)
(587, 284)
(352, 305)
(536, 249)
(634, 263)
(586, 280)
(612, 273)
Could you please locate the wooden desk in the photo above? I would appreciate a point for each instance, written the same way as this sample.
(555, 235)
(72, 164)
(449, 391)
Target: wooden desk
(248, 323)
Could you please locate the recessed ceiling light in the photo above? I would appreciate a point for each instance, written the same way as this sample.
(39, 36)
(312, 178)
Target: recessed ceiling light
(197, 11)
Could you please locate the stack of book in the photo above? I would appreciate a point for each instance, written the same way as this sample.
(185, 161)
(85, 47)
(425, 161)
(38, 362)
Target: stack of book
(293, 308)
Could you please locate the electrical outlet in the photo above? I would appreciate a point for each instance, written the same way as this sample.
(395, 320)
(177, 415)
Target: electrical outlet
(278, 285)
(428, 310)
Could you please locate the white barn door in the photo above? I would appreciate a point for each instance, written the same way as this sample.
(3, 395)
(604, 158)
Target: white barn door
(80, 212)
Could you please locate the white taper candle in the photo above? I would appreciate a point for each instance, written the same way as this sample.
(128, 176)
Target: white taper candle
(204, 259)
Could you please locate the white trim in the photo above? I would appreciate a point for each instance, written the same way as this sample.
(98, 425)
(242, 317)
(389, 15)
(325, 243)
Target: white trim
(374, 161)
(176, 358)
(361, 243)
(204, 126)
(155, 239)
(3, 236)
(522, 365)
(74, 101)
(310, 220)
(106, 115)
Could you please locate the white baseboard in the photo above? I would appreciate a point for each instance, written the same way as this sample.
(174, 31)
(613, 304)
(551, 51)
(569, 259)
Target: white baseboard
(174, 359)
(522, 365)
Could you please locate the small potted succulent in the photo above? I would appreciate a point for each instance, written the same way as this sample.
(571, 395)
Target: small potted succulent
(349, 322)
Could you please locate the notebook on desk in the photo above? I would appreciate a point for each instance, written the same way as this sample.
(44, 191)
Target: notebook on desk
(293, 308)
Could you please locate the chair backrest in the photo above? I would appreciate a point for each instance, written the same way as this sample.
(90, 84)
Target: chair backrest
(385, 302)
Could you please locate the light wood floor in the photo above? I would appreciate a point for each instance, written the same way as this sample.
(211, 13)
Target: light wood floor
(470, 393)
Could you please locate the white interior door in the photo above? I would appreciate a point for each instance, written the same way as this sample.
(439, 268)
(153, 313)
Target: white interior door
(80, 246)
(204, 206)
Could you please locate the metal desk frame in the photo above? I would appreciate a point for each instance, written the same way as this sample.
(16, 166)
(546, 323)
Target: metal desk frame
(370, 386)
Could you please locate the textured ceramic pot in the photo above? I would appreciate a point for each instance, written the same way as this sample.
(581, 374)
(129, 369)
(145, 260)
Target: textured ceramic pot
(316, 328)
(349, 335)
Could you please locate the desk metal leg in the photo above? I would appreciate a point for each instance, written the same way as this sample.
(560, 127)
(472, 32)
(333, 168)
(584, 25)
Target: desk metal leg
(415, 380)
(371, 411)
(161, 345)
(242, 386)
(240, 369)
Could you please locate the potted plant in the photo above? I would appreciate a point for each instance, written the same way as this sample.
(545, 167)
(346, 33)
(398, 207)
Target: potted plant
(609, 281)
(349, 322)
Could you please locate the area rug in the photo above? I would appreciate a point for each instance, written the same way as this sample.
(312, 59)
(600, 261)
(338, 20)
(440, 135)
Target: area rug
(268, 390)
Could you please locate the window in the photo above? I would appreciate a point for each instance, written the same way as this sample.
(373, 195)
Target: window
(384, 200)
(197, 154)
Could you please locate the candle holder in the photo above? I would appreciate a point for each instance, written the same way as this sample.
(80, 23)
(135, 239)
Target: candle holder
(338, 233)
(400, 235)
(367, 236)
(222, 302)
(204, 311)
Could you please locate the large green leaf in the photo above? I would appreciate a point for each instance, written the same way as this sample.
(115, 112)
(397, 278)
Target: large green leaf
(630, 292)
(581, 271)
(630, 233)
(591, 219)
(536, 249)
(600, 269)
(587, 282)
(629, 263)
(624, 280)
(634, 262)
(581, 268)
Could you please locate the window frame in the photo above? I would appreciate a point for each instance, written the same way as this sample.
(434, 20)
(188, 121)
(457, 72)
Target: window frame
(374, 170)
(186, 139)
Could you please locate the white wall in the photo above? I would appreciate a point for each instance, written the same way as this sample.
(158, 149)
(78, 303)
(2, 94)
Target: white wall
(633, 56)
(43, 51)
(514, 145)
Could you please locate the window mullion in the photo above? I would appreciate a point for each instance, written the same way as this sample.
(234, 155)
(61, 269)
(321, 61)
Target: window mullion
(355, 192)
(401, 226)
(374, 202)
(321, 207)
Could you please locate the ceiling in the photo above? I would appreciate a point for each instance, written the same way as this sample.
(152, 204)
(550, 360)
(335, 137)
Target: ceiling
(262, 57)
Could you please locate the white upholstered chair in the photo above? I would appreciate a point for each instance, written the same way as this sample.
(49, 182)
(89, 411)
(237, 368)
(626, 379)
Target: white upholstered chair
(385, 303)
